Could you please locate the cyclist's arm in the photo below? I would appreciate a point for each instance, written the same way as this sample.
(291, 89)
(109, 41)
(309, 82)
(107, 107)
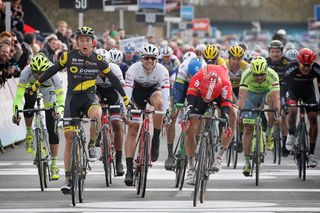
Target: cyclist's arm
(59, 92)
(129, 81)
(58, 65)
(22, 85)
(117, 71)
(115, 82)
(165, 90)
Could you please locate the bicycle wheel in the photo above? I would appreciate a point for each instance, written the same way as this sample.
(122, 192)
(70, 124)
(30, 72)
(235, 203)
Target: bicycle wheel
(183, 166)
(277, 145)
(83, 165)
(199, 169)
(105, 155)
(39, 161)
(46, 158)
(74, 169)
(303, 150)
(258, 153)
(208, 161)
(138, 167)
(178, 157)
(145, 163)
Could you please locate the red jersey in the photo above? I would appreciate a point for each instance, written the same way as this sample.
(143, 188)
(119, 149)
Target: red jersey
(222, 72)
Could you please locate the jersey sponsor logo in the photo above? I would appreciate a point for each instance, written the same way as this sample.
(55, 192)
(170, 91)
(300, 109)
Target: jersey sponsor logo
(90, 63)
(73, 69)
(196, 83)
(210, 89)
(224, 92)
(89, 70)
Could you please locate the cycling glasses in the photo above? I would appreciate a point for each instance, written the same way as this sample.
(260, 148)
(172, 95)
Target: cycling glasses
(305, 65)
(259, 75)
(149, 57)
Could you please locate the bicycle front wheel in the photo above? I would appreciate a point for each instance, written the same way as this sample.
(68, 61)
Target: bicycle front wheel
(74, 169)
(208, 161)
(199, 170)
(83, 171)
(277, 145)
(303, 150)
(258, 153)
(39, 161)
(145, 163)
(106, 155)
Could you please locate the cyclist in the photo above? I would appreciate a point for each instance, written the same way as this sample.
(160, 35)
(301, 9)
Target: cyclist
(210, 84)
(108, 95)
(258, 85)
(190, 66)
(52, 92)
(292, 54)
(130, 57)
(116, 57)
(211, 55)
(199, 49)
(279, 63)
(236, 66)
(299, 81)
(146, 81)
(83, 67)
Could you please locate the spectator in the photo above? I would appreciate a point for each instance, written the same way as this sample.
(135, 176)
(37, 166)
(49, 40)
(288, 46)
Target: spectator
(4, 62)
(110, 43)
(17, 23)
(61, 32)
(27, 43)
(69, 37)
(50, 47)
(122, 33)
(2, 17)
(30, 39)
(40, 40)
(281, 36)
(6, 37)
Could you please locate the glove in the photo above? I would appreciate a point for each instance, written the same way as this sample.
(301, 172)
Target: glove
(33, 88)
(126, 100)
(16, 120)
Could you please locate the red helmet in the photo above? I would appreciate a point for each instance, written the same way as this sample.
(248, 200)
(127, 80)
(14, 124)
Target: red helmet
(210, 87)
(306, 56)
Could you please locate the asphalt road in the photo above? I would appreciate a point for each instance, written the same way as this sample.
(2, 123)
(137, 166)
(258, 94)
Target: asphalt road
(280, 189)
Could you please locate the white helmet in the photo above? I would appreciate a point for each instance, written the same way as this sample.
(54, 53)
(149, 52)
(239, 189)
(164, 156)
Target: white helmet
(166, 50)
(104, 53)
(292, 54)
(149, 50)
(200, 48)
(116, 56)
(188, 55)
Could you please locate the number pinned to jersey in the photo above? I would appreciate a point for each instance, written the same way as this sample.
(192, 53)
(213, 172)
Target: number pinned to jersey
(73, 69)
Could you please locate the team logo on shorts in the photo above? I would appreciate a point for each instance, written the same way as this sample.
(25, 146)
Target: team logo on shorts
(73, 69)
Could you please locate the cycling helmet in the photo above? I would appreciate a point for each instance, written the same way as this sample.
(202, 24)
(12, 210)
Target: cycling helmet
(129, 48)
(85, 31)
(258, 66)
(306, 56)
(210, 53)
(188, 55)
(199, 49)
(40, 63)
(210, 87)
(236, 51)
(166, 51)
(149, 50)
(116, 56)
(104, 53)
(292, 54)
(194, 66)
(276, 44)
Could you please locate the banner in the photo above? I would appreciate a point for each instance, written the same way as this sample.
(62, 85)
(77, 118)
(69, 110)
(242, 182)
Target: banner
(153, 6)
(138, 42)
(201, 24)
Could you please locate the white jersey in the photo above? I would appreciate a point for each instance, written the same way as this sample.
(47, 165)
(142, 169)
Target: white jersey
(115, 69)
(159, 76)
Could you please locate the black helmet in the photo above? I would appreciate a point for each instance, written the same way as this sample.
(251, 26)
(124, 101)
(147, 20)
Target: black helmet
(85, 31)
(276, 44)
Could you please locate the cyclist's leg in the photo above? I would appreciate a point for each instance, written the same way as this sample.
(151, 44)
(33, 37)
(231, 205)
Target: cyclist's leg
(93, 110)
(284, 125)
(313, 129)
(291, 120)
(130, 146)
(170, 141)
(156, 102)
(30, 100)
(117, 126)
(273, 101)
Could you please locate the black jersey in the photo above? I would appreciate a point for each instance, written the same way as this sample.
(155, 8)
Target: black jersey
(82, 72)
(280, 66)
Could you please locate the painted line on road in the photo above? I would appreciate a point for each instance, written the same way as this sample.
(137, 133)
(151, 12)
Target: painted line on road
(166, 190)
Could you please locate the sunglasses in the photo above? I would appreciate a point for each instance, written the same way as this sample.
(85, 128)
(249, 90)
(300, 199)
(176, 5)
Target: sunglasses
(305, 65)
(259, 75)
(152, 58)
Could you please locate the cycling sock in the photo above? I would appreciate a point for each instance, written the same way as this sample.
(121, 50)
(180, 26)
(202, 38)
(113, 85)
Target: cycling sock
(129, 162)
(221, 152)
(312, 147)
(247, 159)
(291, 131)
(156, 134)
(29, 130)
(68, 175)
(190, 161)
(284, 139)
(54, 161)
(269, 131)
(118, 156)
(170, 149)
(92, 142)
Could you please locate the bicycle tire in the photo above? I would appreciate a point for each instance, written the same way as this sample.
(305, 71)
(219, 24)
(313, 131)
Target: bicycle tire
(39, 161)
(105, 154)
(138, 162)
(229, 154)
(258, 153)
(277, 145)
(183, 164)
(303, 146)
(145, 163)
(74, 170)
(178, 168)
(206, 170)
(199, 167)
(83, 171)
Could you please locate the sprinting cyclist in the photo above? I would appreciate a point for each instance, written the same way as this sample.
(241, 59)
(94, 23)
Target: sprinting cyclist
(83, 67)
(259, 85)
(116, 57)
(146, 81)
(52, 92)
(299, 82)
